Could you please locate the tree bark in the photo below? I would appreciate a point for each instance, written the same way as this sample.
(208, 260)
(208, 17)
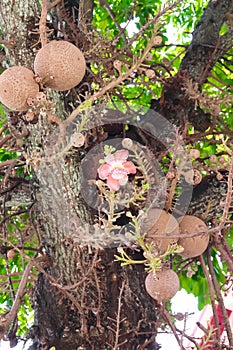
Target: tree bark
(18, 20)
(90, 315)
(207, 44)
(91, 278)
(206, 48)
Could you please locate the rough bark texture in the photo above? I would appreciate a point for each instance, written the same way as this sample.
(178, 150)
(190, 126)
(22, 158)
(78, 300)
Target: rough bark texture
(207, 44)
(92, 326)
(204, 51)
(89, 322)
(18, 19)
(84, 317)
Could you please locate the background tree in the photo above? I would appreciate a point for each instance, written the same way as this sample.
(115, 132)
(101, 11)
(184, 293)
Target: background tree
(60, 229)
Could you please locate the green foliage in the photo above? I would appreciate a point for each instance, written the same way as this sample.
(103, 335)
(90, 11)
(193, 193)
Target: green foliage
(184, 19)
(198, 286)
(3, 117)
(196, 282)
(6, 155)
(25, 316)
(10, 286)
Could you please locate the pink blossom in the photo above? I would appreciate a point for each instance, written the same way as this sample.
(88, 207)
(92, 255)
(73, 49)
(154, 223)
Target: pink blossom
(116, 169)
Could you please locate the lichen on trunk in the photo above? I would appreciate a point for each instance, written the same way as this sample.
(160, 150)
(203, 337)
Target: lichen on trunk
(17, 20)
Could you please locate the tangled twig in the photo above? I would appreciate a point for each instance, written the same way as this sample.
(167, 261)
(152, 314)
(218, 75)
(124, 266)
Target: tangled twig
(118, 321)
(42, 23)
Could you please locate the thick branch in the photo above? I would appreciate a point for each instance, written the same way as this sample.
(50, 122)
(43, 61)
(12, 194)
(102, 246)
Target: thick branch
(20, 293)
(206, 45)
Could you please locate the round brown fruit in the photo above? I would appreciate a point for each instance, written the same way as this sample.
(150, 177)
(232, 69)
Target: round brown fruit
(163, 285)
(160, 223)
(17, 85)
(196, 245)
(60, 65)
(11, 254)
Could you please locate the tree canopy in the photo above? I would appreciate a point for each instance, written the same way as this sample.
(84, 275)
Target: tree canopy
(98, 178)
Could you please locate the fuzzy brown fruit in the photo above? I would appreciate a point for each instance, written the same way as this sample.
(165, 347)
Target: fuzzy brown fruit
(60, 65)
(11, 254)
(160, 223)
(163, 285)
(17, 85)
(196, 245)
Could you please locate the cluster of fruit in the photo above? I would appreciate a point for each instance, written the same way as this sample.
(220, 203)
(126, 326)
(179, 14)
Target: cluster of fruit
(59, 65)
(163, 229)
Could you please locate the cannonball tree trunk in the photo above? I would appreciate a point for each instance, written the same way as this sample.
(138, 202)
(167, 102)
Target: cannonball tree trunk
(90, 300)
(91, 313)
(83, 299)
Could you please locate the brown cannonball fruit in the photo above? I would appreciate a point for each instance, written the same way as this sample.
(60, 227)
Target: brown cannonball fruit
(196, 245)
(163, 285)
(194, 153)
(11, 254)
(158, 222)
(60, 65)
(17, 85)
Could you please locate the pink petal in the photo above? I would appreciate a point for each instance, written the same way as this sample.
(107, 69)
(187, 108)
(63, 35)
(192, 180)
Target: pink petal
(121, 155)
(104, 171)
(116, 163)
(129, 167)
(123, 181)
(119, 173)
(109, 158)
(112, 183)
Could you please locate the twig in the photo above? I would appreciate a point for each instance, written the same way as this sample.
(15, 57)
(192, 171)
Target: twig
(91, 268)
(144, 28)
(14, 274)
(212, 299)
(209, 337)
(190, 338)
(35, 262)
(53, 4)
(118, 321)
(7, 163)
(167, 317)
(111, 85)
(104, 4)
(9, 170)
(5, 126)
(204, 330)
(118, 318)
(21, 211)
(147, 342)
(98, 308)
(5, 139)
(20, 292)
(223, 249)
(228, 196)
(42, 23)
(219, 298)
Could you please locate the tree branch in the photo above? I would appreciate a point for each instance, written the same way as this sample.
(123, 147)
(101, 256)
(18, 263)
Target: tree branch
(20, 293)
(42, 24)
(206, 46)
(219, 298)
(212, 299)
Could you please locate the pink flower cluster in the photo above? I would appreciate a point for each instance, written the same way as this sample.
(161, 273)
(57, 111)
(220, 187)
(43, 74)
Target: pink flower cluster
(116, 169)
